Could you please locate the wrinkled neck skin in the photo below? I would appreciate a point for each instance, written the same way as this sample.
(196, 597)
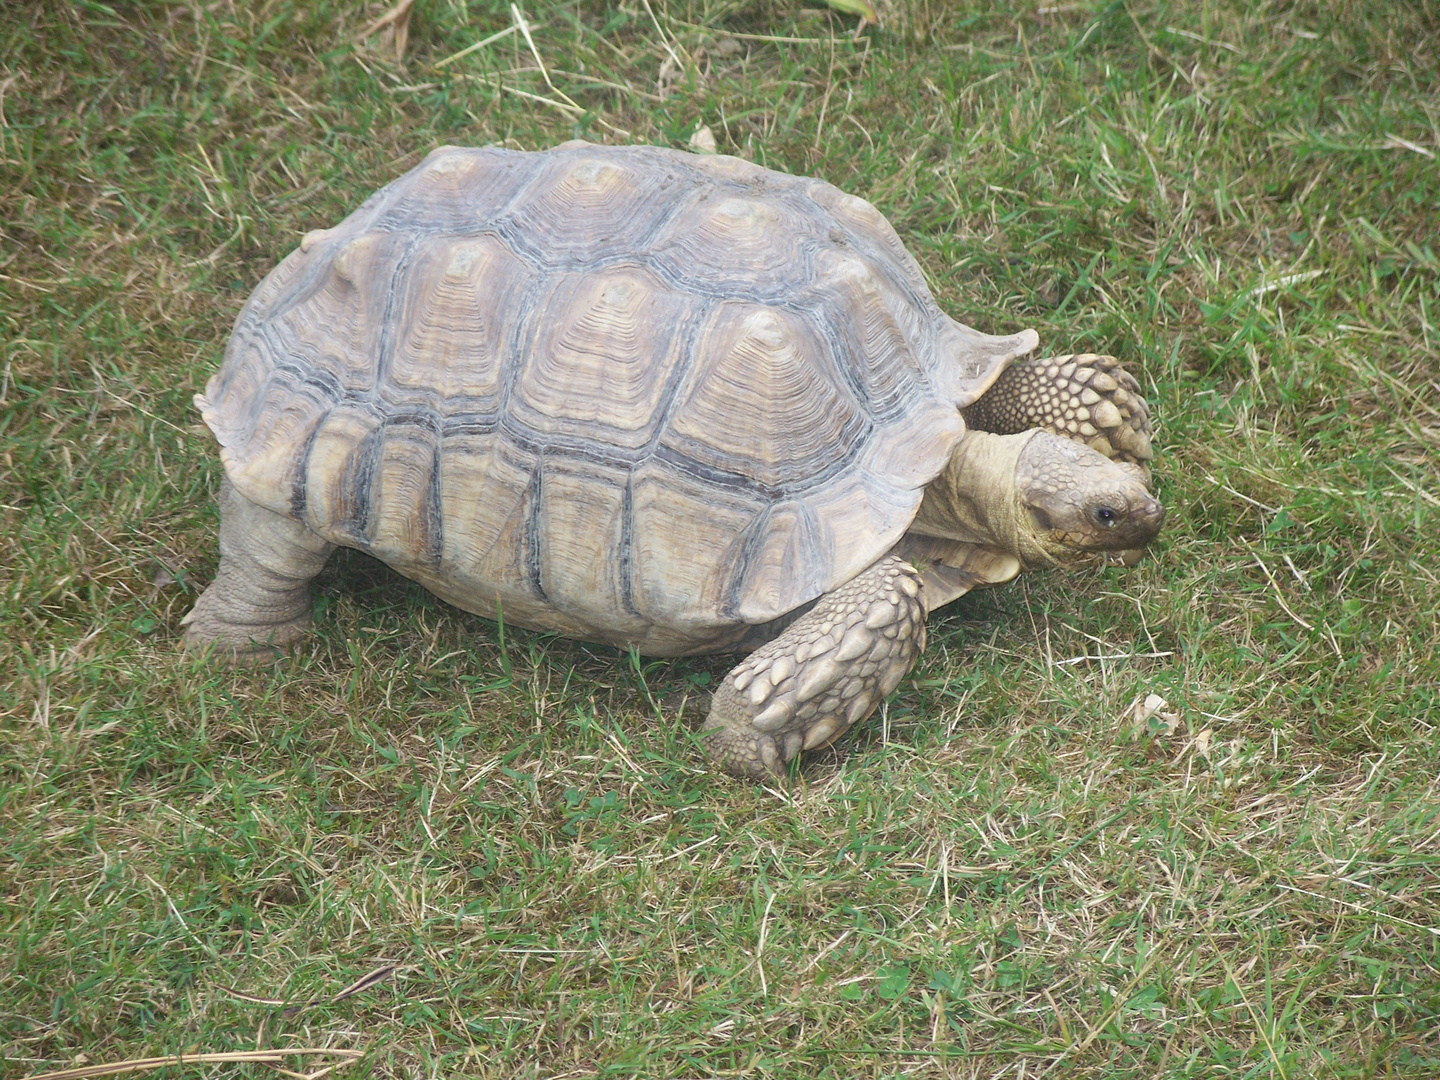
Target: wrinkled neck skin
(975, 500)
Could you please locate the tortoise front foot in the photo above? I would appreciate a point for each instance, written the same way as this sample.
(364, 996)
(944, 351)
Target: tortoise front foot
(1085, 397)
(824, 674)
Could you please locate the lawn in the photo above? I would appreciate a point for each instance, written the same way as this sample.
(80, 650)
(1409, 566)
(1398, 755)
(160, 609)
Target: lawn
(1009, 870)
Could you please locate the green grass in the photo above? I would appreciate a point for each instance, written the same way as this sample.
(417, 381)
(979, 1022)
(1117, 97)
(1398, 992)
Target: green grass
(1001, 875)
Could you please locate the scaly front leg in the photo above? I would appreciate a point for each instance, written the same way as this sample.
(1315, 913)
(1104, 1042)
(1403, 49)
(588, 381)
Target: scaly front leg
(1088, 398)
(823, 675)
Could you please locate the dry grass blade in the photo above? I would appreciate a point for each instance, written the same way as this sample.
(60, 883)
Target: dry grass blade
(477, 46)
(771, 39)
(365, 982)
(399, 18)
(565, 100)
(260, 1057)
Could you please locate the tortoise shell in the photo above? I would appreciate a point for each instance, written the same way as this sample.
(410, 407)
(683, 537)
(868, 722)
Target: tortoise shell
(630, 394)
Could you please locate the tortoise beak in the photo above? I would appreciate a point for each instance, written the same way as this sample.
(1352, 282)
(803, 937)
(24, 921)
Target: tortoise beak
(1149, 519)
(1146, 520)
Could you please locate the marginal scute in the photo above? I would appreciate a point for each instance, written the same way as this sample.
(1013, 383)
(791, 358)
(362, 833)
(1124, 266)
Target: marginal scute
(404, 514)
(486, 534)
(686, 542)
(786, 555)
(727, 167)
(259, 446)
(338, 472)
(584, 507)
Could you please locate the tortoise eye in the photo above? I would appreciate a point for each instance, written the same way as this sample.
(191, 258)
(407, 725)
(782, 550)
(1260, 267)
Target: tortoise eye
(1106, 517)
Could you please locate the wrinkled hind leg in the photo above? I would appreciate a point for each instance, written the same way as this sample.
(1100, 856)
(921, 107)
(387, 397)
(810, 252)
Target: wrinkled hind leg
(259, 601)
(824, 674)
(1089, 398)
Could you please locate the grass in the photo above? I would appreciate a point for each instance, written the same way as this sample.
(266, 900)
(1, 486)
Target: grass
(1006, 873)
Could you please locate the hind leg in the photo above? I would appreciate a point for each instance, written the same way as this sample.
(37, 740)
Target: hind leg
(1086, 397)
(259, 601)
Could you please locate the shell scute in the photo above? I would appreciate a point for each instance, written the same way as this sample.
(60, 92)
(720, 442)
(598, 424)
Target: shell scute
(455, 191)
(489, 532)
(601, 355)
(337, 325)
(582, 205)
(338, 472)
(686, 542)
(764, 406)
(874, 335)
(586, 510)
(454, 326)
(740, 245)
(404, 518)
(867, 228)
(785, 554)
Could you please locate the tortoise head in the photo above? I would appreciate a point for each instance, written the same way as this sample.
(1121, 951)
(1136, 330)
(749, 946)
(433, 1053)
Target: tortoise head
(1079, 503)
(1045, 499)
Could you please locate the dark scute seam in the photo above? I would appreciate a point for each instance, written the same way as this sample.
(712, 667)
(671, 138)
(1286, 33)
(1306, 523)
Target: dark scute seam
(854, 440)
(750, 544)
(299, 496)
(362, 481)
(399, 271)
(670, 396)
(434, 511)
(534, 492)
(626, 553)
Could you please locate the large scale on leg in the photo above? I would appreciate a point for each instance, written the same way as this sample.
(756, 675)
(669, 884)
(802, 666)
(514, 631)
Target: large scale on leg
(649, 399)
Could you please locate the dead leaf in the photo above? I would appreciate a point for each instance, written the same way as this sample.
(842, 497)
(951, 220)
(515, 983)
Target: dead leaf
(1153, 716)
(863, 8)
(703, 141)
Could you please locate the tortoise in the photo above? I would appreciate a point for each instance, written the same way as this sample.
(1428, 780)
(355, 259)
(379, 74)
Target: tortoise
(646, 398)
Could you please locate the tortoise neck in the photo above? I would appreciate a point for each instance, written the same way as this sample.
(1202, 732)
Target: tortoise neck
(974, 498)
